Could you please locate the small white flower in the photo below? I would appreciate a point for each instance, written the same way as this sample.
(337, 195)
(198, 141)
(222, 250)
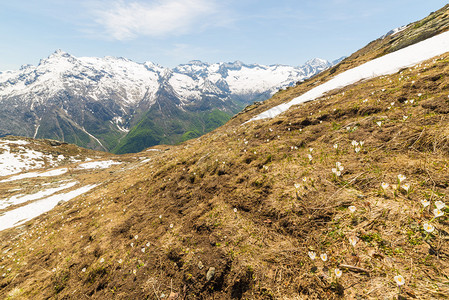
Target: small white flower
(304, 179)
(440, 204)
(401, 177)
(379, 123)
(425, 202)
(353, 241)
(352, 208)
(419, 95)
(348, 128)
(148, 244)
(406, 186)
(338, 273)
(428, 227)
(384, 185)
(361, 143)
(312, 255)
(357, 149)
(160, 216)
(404, 117)
(354, 143)
(136, 237)
(143, 250)
(399, 280)
(323, 257)
(334, 170)
(235, 209)
(411, 101)
(132, 244)
(310, 157)
(83, 270)
(171, 225)
(438, 212)
(120, 261)
(392, 103)
(102, 260)
(335, 146)
(310, 150)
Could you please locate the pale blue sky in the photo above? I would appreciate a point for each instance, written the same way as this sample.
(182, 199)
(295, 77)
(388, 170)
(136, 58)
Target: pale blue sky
(171, 32)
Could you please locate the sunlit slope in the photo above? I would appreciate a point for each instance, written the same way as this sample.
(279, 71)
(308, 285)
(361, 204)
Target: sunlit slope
(435, 24)
(357, 180)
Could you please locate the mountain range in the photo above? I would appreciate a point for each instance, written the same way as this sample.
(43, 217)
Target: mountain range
(115, 104)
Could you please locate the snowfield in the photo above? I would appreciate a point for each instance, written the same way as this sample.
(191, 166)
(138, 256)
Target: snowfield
(50, 173)
(23, 214)
(98, 164)
(24, 159)
(19, 199)
(385, 65)
(15, 157)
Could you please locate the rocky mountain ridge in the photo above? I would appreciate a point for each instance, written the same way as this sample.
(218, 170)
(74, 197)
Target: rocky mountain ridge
(95, 102)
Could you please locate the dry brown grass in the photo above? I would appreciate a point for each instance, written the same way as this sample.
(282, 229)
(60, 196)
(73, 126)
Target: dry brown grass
(260, 251)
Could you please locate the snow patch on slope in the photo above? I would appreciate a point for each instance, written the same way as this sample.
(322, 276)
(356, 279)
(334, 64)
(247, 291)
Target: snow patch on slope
(50, 173)
(19, 199)
(21, 159)
(98, 164)
(23, 214)
(384, 65)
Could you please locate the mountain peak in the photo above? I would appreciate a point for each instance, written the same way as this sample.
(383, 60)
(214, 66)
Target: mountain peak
(60, 53)
(196, 62)
(317, 61)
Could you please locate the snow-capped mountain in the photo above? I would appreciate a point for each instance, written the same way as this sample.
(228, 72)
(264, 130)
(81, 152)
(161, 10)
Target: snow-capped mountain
(94, 102)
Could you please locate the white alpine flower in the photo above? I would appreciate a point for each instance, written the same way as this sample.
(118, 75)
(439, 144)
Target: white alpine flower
(428, 227)
(399, 280)
(312, 255)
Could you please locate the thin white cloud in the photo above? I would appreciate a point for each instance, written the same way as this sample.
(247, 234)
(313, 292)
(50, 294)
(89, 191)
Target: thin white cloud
(124, 20)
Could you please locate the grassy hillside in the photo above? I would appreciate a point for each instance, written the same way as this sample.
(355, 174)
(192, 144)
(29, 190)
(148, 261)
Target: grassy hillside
(432, 25)
(238, 213)
(247, 204)
(171, 125)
